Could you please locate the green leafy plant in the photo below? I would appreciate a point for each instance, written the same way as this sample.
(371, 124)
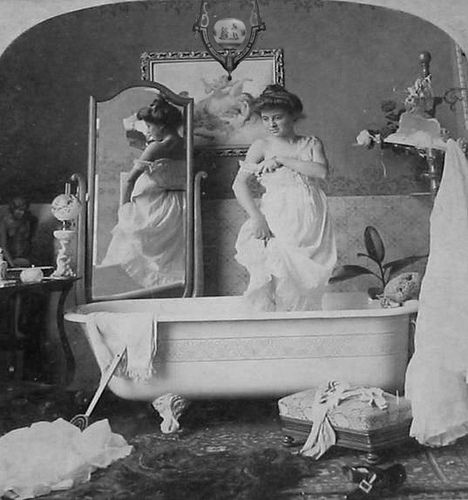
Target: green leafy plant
(375, 251)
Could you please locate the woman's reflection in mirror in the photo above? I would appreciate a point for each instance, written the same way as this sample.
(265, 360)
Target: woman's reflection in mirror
(163, 140)
(148, 241)
(287, 245)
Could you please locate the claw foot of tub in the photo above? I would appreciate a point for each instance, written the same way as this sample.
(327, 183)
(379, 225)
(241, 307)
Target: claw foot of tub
(170, 407)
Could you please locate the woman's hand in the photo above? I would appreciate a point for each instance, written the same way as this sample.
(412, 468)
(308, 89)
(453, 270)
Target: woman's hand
(269, 165)
(260, 228)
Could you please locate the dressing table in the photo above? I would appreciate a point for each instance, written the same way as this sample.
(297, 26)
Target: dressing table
(56, 356)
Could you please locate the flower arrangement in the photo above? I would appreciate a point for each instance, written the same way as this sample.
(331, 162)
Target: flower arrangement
(369, 138)
(419, 99)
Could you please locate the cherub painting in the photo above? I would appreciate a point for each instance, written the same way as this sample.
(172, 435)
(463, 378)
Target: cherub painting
(225, 111)
(223, 116)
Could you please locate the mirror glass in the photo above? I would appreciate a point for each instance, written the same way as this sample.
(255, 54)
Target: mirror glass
(140, 154)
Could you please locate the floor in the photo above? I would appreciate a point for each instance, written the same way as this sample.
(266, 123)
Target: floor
(217, 431)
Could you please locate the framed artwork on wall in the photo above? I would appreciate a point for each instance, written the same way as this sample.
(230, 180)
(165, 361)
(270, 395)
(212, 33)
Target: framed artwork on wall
(224, 124)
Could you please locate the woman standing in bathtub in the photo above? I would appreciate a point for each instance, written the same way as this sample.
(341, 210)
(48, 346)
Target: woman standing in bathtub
(148, 241)
(287, 244)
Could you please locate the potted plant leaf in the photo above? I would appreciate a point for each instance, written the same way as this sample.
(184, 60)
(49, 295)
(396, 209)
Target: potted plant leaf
(375, 251)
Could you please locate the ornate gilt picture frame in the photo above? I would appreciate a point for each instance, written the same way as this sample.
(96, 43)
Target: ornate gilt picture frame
(224, 124)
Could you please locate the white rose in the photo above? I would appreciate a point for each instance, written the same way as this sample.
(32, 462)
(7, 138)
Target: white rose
(364, 138)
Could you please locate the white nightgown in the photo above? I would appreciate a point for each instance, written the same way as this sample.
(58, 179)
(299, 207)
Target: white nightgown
(290, 271)
(148, 241)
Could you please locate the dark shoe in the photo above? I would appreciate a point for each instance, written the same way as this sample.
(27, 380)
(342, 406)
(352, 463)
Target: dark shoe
(361, 493)
(373, 480)
(358, 473)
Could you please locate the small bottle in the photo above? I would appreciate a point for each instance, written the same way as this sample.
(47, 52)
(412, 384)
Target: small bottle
(3, 266)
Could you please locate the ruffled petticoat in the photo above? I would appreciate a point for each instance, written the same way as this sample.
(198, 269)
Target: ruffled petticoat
(290, 271)
(149, 240)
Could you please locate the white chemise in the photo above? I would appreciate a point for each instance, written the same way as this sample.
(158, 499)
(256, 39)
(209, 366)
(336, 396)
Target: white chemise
(148, 241)
(290, 271)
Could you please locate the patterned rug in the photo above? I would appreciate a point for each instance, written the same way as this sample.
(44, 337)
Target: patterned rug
(228, 450)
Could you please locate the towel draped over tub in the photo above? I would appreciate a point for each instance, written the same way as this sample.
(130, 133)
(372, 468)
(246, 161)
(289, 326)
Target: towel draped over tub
(111, 332)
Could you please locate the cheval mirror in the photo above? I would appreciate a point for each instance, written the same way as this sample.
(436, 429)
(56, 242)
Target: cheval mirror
(141, 237)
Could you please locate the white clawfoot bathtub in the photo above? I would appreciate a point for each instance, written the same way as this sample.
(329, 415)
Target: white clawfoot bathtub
(213, 347)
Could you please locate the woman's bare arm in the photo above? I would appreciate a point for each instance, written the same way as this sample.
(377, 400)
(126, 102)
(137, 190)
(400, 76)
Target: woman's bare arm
(241, 189)
(240, 186)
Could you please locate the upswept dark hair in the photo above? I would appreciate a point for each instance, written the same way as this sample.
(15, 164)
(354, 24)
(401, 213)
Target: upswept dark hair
(161, 112)
(276, 96)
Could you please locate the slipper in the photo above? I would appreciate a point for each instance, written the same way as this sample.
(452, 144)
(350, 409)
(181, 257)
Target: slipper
(373, 480)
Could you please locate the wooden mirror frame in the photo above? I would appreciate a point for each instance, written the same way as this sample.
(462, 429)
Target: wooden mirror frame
(192, 284)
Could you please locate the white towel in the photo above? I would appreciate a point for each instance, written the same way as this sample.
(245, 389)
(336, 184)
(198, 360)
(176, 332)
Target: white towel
(110, 332)
(436, 376)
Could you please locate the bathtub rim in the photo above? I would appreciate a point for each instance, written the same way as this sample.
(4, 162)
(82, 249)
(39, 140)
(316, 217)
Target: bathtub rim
(80, 313)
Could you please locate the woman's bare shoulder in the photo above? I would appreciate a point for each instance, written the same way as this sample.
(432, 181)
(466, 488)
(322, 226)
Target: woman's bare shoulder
(256, 151)
(161, 149)
(259, 144)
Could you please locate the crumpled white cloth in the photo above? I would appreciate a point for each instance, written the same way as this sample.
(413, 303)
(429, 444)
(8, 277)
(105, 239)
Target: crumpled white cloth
(50, 456)
(322, 435)
(437, 373)
(110, 332)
